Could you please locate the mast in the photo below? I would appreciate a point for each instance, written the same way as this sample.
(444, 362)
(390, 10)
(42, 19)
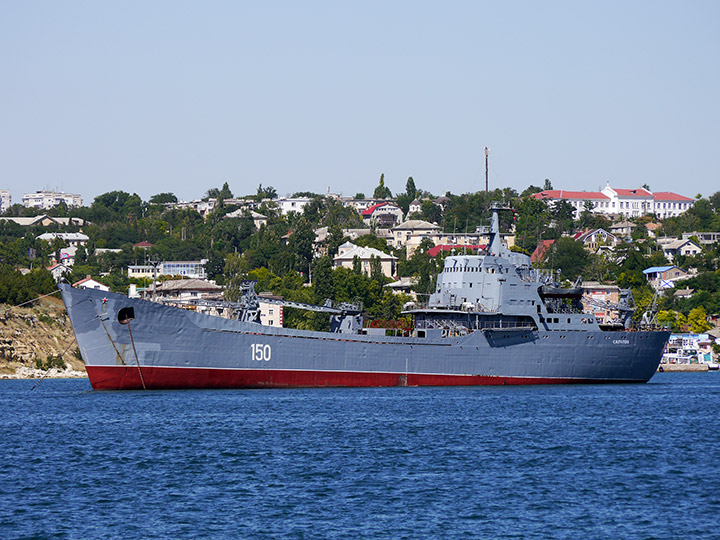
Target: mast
(487, 152)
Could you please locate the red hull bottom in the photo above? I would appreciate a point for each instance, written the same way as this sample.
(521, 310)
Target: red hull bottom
(128, 378)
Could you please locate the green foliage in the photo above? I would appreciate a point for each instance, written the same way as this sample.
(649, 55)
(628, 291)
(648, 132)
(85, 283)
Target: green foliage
(697, 319)
(268, 192)
(51, 361)
(372, 241)
(382, 191)
(568, 256)
(163, 198)
(16, 288)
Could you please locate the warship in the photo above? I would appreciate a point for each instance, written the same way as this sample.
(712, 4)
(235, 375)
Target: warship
(492, 319)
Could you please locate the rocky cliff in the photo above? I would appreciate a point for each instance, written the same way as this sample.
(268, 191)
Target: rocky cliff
(32, 340)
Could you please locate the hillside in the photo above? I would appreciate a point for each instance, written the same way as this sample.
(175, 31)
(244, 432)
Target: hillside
(31, 339)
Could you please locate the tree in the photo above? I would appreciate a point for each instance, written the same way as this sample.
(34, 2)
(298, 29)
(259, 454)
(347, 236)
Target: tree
(547, 186)
(568, 256)
(266, 193)
(431, 212)
(381, 191)
(697, 319)
(233, 277)
(410, 188)
(225, 192)
(163, 198)
(301, 245)
(372, 241)
(563, 213)
(323, 282)
(359, 195)
(376, 271)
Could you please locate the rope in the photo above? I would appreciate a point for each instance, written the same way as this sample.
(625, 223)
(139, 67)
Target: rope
(142, 380)
(31, 301)
(61, 355)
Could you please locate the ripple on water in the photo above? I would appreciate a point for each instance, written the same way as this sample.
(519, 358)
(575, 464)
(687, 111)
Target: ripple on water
(522, 462)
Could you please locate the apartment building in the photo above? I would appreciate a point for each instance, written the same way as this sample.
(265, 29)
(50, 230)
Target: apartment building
(50, 199)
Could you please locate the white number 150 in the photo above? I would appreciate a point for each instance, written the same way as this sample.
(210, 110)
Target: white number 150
(260, 352)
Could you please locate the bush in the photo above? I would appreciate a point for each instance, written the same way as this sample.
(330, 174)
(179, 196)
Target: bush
(52, 361)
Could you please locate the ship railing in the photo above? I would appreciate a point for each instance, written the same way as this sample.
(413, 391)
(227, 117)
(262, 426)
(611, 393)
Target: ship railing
(507, 325)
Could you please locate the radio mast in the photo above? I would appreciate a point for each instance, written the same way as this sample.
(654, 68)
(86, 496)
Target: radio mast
(487, 152)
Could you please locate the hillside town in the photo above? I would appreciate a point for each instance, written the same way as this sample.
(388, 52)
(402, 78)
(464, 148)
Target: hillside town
(385, 250)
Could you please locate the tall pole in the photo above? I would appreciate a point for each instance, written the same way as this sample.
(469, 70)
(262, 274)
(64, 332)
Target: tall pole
(487, 151)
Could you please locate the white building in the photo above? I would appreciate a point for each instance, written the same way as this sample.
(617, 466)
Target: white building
(348, 252)
(71, 239)
(50, 199)
(90, 283)
(386, 213)
(624, 202)
(291, 204)
(687, 248)
(5, 200)
(58, 270)
(187, 269)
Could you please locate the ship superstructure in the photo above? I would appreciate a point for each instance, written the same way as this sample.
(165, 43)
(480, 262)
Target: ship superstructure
(492, 319)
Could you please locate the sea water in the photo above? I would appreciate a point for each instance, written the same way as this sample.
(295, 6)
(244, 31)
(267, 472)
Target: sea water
(593, 461)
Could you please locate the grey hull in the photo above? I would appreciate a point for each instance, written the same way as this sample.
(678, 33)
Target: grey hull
(168, 347)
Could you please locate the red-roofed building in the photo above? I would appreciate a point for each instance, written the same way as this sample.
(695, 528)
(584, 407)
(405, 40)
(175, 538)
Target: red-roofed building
(622, 202)
(58, 270)
(90, 283)
(668, 204)
(385, 214)
(144, 245)
(433, 251)
(541, 250)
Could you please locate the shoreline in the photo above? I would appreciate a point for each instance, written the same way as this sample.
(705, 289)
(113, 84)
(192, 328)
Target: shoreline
(28, 373)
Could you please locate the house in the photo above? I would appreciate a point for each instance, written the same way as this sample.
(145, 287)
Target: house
(42, 220)
(623, 229)
(664, 277)
(652, 229)
(58, 270)
(143, 245)
(415, 207)
(67, 255)
(687, 248)
(592, 240)
(413, 232)
(258, 219)
(385, 214)
(684, 293)
(138, 271)
(71, 239)
(90, 283)
(291, 204)
(705, 238)
(442, 202)
(348, 252)
(600, 299)
(271, 314)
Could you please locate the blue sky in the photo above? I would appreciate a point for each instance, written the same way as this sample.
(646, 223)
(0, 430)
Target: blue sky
(151, 97)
